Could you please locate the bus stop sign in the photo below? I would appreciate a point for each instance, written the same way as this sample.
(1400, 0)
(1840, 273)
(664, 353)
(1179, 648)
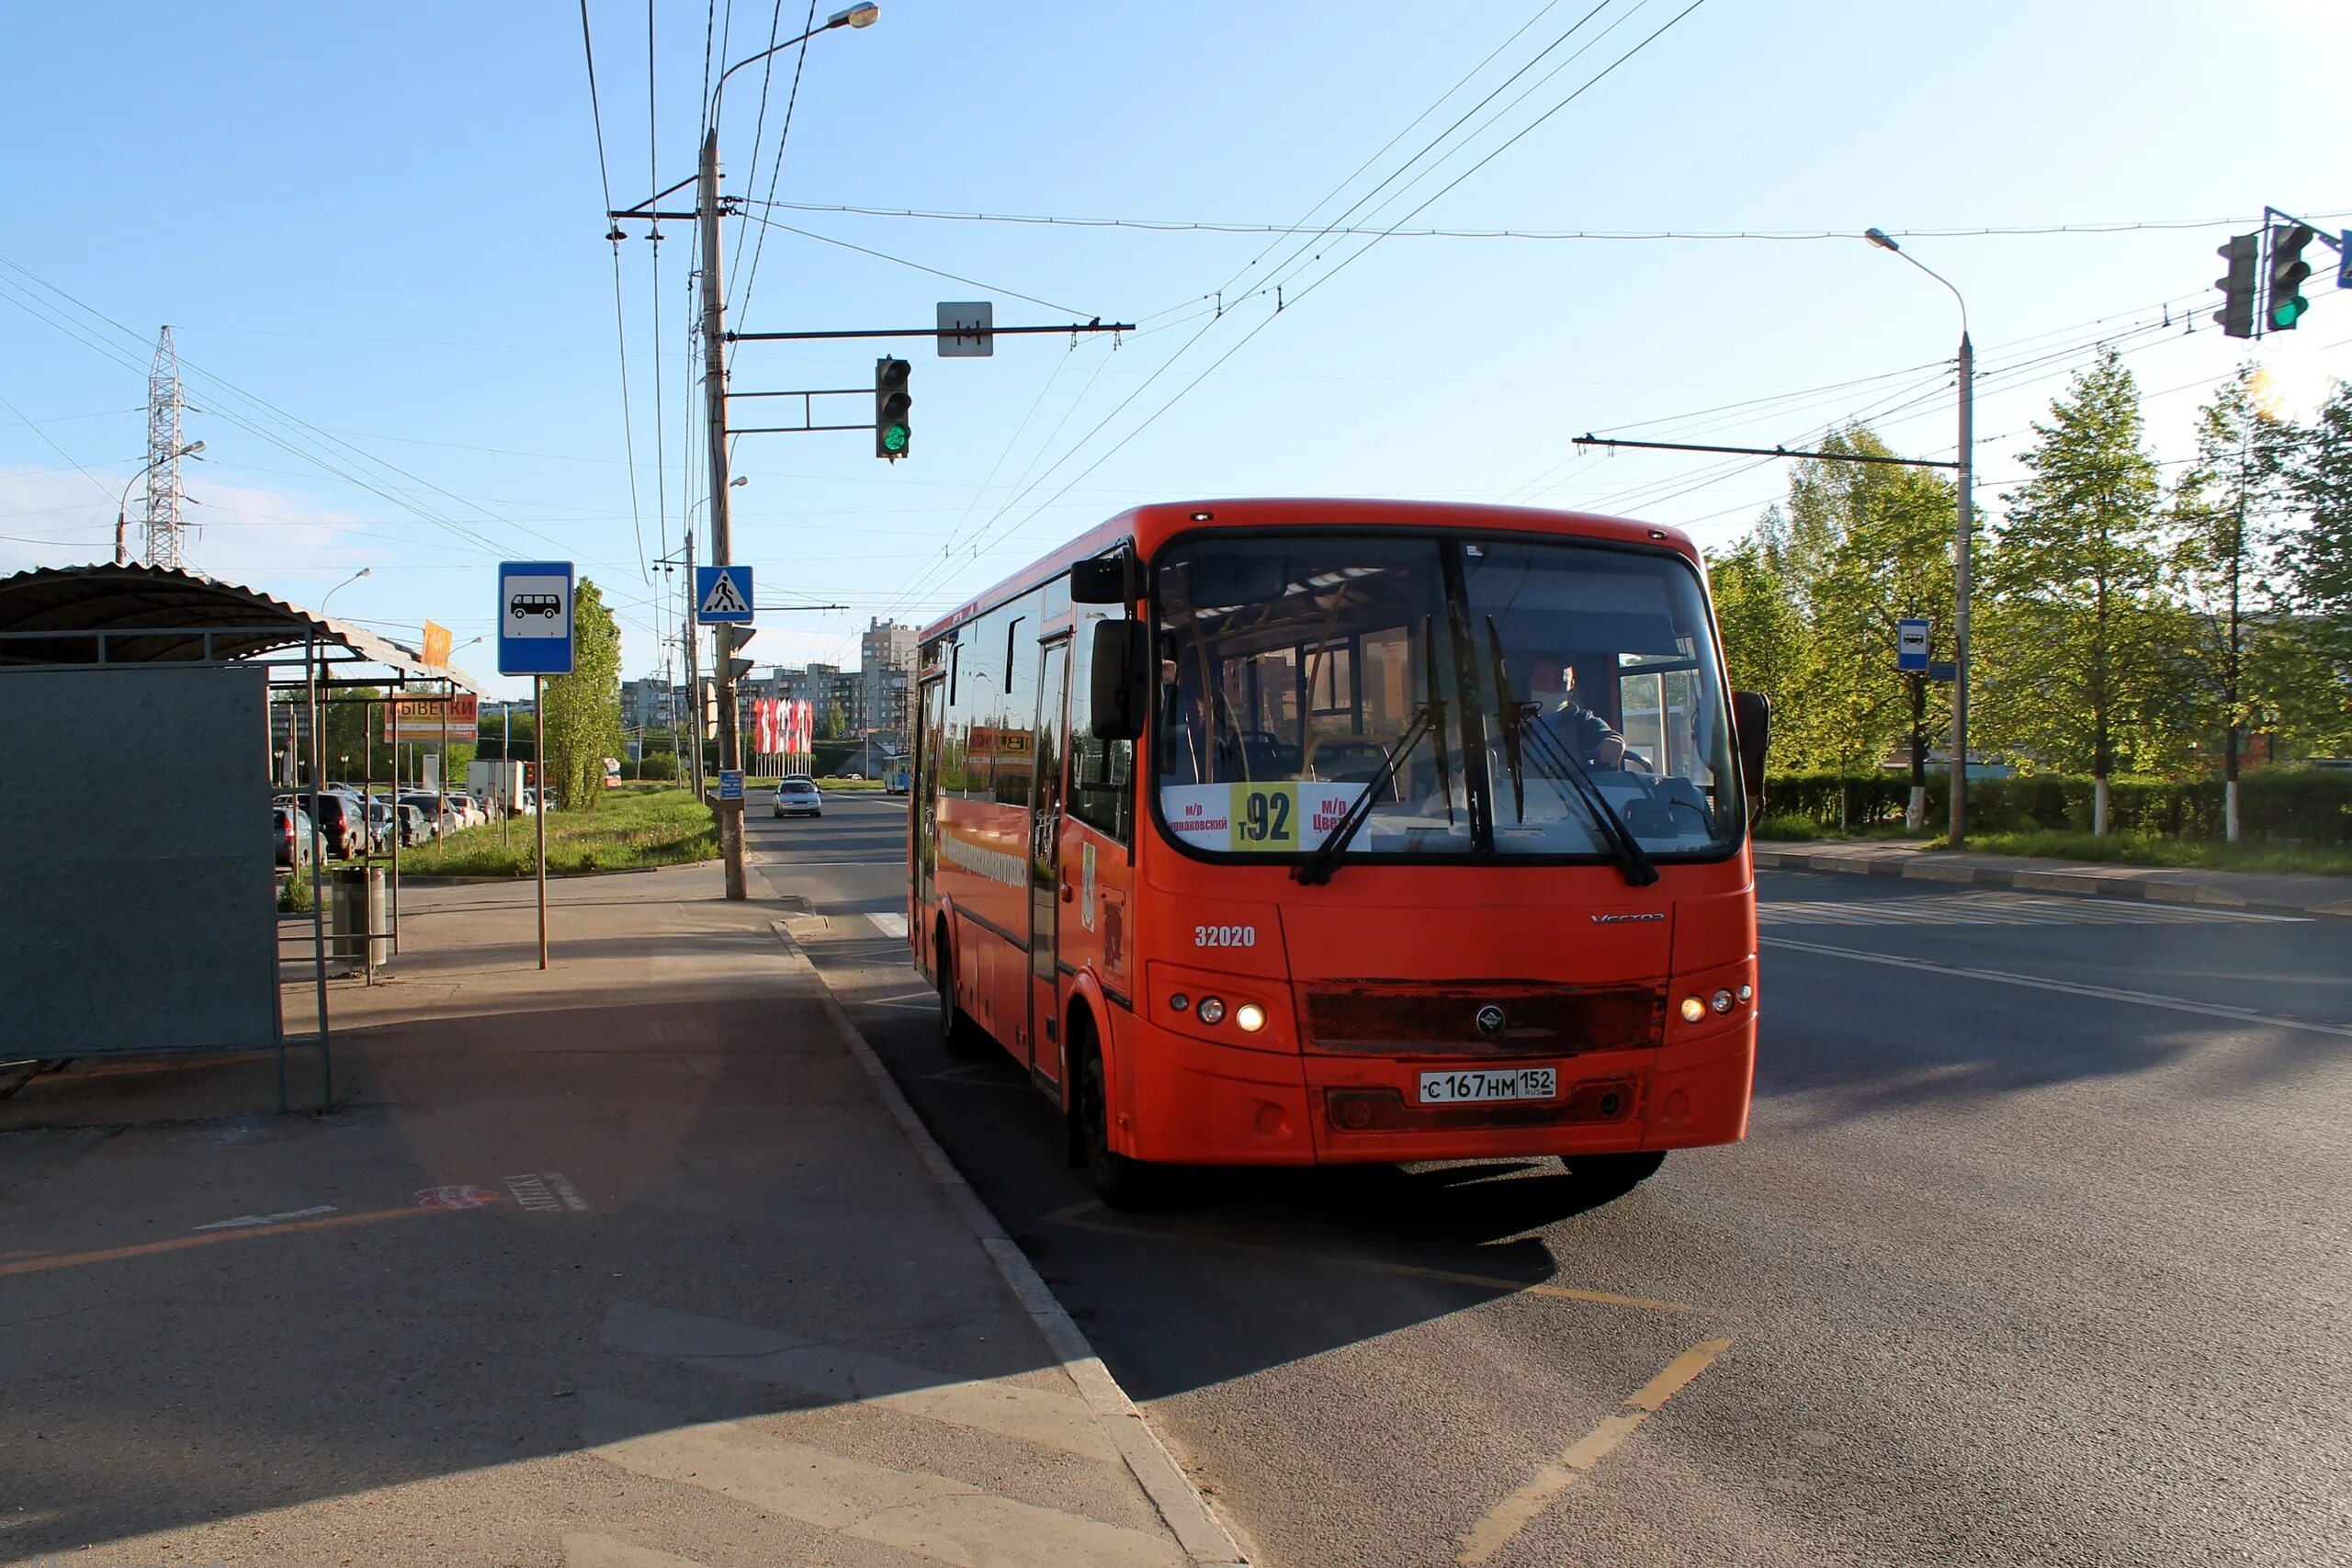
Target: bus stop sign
(1911, 645)
(535, 617)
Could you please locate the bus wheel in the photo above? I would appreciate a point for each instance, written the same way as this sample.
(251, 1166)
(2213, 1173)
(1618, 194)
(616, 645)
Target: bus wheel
(1120, 1182)
(1613, 1176)
(959, 1035)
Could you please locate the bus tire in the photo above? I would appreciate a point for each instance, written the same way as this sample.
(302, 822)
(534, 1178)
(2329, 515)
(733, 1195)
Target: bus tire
(959, 1035)
(1120, 1182)
(1613, 1176)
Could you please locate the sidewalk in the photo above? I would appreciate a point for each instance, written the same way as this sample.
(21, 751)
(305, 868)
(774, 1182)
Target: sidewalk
(629, 1264)
(2275, 892)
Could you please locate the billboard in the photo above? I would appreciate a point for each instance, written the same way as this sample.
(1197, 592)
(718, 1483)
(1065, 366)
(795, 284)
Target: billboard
(422, 719)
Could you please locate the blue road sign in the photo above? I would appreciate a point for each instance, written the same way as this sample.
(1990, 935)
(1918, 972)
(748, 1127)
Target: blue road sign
(1911, 644)
(723, 595)
(730, 783)
(1943, 672)
(535, 617)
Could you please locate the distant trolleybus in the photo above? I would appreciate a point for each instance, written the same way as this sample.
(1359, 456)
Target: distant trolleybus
(1291, 832)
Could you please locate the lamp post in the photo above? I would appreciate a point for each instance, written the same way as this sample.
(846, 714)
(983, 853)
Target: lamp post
(121, 522)
(1964, 530)
(714, 347)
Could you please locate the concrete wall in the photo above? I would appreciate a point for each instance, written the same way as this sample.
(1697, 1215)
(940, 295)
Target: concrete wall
(137, 912)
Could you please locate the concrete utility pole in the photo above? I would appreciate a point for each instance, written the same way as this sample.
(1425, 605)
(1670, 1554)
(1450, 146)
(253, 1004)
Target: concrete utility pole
(1963, 539)
(722, 551)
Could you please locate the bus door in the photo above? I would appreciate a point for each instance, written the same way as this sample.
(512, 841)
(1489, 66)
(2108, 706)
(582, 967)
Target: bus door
(1045, 865)
(922, 809)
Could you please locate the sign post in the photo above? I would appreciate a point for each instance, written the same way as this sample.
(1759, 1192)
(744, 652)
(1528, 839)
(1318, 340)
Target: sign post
(535, 640)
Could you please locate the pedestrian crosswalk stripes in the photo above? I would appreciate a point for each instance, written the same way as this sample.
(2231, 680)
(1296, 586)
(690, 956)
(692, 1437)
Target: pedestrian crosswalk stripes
(1989, 908)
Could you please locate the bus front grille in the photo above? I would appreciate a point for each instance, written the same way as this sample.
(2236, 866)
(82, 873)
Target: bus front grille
(1504, 1018)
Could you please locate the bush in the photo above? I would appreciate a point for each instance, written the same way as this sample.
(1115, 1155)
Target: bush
(2287, 804)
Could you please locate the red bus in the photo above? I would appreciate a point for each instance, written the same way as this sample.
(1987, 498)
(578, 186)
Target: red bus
(1290, 833)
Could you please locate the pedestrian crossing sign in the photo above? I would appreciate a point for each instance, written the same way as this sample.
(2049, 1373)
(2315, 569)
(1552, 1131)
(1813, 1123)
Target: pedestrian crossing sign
(723, 595)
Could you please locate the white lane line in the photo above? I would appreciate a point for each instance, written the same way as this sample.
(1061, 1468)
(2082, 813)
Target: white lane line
(892, 926)
(789, 860)
(845, 1375)
(1516, 1512)
(2103, 993)
(928, 1516)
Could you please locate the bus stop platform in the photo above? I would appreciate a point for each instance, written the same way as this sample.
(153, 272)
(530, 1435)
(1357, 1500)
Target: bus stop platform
(636, 1262)
(2277, 893)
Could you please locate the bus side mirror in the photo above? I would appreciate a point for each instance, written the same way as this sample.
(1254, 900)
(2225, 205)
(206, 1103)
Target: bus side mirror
(1751, 722)
(1102, 580)
(1121, 658)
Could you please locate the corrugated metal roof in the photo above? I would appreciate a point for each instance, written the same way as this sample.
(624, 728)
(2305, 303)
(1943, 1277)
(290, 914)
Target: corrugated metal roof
(175, 608)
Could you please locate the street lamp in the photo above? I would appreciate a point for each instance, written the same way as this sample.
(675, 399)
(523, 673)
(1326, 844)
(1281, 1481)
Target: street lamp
(339, 587)
(862, 15)
(1958, 831)
(121, 525)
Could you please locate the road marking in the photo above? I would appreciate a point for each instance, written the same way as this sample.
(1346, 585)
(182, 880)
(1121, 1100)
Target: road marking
(246, 1221)
(2102, 993)
(151, 1248)
(1516, 1512)
(546, 1192)
(787, 860)
(892, 926)
(1998, 908)
(1071, 1218)
(846, 1375)
(931, 1517)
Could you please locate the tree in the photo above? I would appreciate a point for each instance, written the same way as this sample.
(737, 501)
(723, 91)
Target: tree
(1858, 547)
(582, 713)
(2224, 511)
(2078, 659)
(2306, 663)
(1764, 633)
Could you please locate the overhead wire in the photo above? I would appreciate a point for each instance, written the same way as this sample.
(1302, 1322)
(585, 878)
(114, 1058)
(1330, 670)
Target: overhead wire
(620, 319)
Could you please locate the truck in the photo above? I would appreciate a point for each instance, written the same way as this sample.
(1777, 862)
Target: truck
(502, 783)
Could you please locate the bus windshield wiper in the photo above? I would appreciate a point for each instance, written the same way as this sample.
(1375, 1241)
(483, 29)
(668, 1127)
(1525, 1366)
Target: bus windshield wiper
(1563, 766)
(1317, 868)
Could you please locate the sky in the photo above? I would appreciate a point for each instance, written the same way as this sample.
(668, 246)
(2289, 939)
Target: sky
(379, 240)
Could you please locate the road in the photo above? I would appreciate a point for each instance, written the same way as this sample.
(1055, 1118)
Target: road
(2037, 1252)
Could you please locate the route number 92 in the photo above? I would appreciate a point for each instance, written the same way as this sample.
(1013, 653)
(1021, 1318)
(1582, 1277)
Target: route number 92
(1266, 816)
(1224, 936)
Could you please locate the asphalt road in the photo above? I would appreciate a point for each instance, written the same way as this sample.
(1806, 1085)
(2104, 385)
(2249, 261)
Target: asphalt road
(2037, 1252)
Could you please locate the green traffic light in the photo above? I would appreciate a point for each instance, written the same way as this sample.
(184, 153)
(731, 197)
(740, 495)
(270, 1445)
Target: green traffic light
(2288, 312)
(894, 438)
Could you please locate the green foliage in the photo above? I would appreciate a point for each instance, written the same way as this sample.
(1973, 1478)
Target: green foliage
(582, 715)
(652, 765)
(2135, 849)
(2079, 658)
(294, 892)
(636, 827)
(2310, 806)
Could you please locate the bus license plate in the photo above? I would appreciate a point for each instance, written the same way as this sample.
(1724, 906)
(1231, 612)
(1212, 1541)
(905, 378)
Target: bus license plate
(1516, 1083)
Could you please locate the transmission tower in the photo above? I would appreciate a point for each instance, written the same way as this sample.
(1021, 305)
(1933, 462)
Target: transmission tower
(164, 456)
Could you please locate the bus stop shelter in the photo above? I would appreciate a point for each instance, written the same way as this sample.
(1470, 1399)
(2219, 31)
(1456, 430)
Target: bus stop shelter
(138, 874)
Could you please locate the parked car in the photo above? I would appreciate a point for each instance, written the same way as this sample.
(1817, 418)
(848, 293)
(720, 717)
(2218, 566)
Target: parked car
(432, 811)
(463, 811)
(296, 839)
(799, 798)
(341, 824)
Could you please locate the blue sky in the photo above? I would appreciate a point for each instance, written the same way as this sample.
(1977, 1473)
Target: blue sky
(379, 239)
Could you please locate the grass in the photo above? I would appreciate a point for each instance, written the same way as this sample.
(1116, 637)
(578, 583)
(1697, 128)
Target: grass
(631, 828)
(1800, 829)
(2132, 849)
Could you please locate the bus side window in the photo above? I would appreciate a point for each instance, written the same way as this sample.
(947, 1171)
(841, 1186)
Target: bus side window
(1102, 773)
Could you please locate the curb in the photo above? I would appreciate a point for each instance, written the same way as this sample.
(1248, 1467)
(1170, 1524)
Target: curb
(1199, 1533)
(2058, 878)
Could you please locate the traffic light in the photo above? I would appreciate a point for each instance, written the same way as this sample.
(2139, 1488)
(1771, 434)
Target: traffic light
(890, 404)
(2288, 270)
(2243, 253)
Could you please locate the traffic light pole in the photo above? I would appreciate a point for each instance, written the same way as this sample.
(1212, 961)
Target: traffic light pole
(1956, 830)
(714, 385)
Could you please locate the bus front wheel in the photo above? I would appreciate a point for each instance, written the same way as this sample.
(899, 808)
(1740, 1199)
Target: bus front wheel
(1120, 1182)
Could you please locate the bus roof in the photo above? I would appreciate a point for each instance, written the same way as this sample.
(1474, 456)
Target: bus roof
(1153, 524)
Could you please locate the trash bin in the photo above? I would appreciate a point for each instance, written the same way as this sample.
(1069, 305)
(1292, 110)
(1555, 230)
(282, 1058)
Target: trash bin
(359, 918)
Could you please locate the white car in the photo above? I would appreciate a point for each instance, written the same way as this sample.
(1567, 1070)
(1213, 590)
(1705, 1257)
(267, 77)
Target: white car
(799, 798)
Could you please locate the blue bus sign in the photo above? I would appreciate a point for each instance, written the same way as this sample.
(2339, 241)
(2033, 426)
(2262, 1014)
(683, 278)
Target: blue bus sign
(535, 617)
(1911, 645)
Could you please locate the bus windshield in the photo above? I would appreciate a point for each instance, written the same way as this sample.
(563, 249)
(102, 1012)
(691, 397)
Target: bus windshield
(1456, 695)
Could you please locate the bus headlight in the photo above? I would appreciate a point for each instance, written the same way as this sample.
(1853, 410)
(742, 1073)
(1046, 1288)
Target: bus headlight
(1250, 1017)
(1722, 1001)
(1210, 1010)
(1693, 1009)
